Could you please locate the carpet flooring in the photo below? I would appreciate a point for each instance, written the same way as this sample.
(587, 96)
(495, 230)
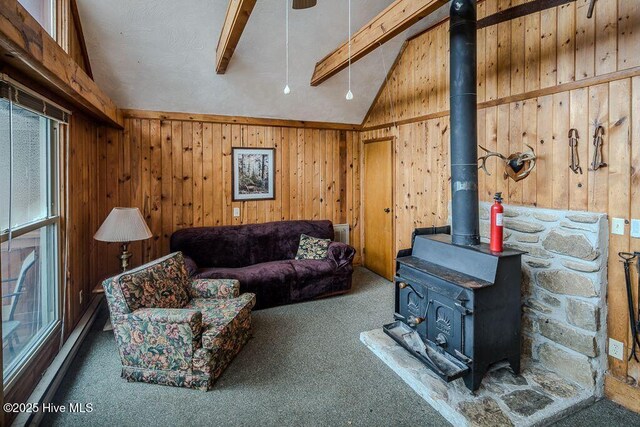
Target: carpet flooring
(305, 366)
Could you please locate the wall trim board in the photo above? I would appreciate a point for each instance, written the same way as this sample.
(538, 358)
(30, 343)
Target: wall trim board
(622, 393)
(552, 90)
(29, 48)
(379, 139)
(236, 120)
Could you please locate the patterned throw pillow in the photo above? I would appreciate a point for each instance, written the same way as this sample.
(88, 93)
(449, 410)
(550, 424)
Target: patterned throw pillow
(312, 247)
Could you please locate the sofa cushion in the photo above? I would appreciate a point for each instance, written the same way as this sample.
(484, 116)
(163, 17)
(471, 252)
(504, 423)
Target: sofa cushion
(223, 319)
(163, 283)
(271, 282)
(312, 247)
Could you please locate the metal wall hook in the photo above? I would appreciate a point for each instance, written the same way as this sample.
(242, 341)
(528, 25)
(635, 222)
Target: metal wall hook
(575, 158)
(598, 142)
(591, 6)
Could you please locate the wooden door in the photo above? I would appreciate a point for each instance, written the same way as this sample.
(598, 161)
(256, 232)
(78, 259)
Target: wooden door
(378, 207)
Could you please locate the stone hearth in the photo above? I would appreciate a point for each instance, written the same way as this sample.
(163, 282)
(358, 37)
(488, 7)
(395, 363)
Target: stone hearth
(536, 397)
(563, 327)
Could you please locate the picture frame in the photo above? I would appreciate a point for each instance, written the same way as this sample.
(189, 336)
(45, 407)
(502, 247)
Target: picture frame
(253, 173)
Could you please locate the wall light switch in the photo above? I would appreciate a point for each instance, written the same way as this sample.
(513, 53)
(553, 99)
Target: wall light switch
(236, 212)
(635, 228)
(617, 226)
(616, 349)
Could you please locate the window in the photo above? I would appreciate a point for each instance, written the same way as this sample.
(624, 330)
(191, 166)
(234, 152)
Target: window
(29, 225)
(44, 11)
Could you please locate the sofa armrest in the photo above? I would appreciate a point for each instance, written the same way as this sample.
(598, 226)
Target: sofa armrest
(215, 288)
(340, 253)
(158, 338)
(192, 267)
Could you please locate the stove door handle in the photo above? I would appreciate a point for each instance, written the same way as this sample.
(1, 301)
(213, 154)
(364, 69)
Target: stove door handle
(403, 285)
(415, 321)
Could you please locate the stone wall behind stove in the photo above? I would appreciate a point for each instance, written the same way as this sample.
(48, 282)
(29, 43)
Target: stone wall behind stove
(564, 288)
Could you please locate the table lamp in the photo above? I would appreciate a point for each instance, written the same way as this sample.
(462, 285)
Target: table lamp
(123, 225)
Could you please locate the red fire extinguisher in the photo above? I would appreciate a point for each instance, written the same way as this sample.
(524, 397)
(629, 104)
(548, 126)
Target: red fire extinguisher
(497, 210)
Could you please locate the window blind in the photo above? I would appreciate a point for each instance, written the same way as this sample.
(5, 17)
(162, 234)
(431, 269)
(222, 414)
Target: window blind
(32, 102)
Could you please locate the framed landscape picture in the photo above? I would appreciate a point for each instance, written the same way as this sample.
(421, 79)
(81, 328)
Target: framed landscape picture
(253, 173)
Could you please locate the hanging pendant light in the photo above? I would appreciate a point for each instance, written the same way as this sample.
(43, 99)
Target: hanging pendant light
(287, 89)
(349, 96)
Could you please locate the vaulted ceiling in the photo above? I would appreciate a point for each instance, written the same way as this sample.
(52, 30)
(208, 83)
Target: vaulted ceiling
(160, 55)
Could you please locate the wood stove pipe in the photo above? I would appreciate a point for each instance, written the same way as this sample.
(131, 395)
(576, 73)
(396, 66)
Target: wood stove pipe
(463, 123)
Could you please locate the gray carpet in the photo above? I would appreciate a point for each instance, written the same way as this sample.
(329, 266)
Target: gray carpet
(304, 366)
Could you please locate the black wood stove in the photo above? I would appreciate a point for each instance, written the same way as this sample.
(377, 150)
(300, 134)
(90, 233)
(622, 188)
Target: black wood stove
(457, 304)
(457, 308)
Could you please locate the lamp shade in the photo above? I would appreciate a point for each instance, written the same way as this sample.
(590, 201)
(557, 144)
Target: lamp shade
(123, 225)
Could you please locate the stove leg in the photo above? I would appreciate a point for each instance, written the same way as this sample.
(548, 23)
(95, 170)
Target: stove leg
(514, 362)
(473, 379)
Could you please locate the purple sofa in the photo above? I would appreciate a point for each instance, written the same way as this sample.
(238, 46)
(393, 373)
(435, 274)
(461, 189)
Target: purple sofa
(261, 258)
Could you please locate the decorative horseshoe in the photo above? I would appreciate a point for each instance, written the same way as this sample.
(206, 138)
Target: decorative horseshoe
(575, 158)
(598, 141)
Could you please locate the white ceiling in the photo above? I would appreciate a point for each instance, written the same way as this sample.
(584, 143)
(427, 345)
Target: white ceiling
(160, 55)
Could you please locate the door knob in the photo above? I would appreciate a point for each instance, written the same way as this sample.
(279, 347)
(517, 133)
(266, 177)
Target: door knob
(387, 210)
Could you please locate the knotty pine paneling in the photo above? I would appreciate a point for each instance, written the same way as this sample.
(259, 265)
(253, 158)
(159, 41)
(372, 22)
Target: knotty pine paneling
(178, 172)
(81, 218)
(541, 50)
(529, 59)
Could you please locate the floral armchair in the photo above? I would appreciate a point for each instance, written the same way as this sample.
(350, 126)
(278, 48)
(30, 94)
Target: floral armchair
(173, 330)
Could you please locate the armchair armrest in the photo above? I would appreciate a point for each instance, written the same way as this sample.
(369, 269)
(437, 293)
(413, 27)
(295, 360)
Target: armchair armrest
(158, 338)
(340, 253)
(192, 267)
(174, 316)
(215, 288)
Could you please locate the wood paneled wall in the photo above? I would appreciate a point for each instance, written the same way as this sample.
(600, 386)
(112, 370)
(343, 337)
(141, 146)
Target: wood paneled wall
(178, 172)
(537, 52)
(81, 219)
(538, 76)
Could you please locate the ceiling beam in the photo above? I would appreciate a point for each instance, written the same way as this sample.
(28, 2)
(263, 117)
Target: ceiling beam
(30, 49)
(396, 18)
(238, 13)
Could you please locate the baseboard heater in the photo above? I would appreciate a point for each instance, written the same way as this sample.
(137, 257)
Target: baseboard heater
(341, 233)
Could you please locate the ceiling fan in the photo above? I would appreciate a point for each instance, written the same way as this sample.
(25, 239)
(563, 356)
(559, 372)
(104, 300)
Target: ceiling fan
(303, 4)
